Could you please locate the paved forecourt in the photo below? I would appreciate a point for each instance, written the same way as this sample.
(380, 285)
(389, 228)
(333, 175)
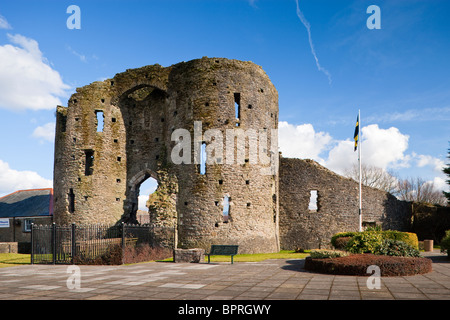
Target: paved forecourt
(266, 280)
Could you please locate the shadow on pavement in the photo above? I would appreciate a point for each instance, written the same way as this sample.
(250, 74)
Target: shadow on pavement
(295, 265)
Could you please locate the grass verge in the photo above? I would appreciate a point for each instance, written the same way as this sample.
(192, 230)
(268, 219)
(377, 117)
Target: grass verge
(255, 257)
(14, 259)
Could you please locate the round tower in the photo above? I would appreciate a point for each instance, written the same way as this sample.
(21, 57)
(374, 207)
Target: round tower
(204, 129)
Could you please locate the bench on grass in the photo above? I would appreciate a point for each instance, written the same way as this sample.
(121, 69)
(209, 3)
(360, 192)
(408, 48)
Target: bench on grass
(223, 250)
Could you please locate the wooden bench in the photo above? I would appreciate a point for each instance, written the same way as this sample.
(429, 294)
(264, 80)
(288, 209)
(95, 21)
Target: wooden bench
(223, 250)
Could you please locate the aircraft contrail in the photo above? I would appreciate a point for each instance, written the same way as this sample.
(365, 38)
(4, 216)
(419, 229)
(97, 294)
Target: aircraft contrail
(313, 51)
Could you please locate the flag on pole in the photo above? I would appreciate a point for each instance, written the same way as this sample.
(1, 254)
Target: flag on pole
(356, 135)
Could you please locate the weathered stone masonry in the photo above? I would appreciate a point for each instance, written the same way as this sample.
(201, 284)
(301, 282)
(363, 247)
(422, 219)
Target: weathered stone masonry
(116, 133)
(98, 171)
(337, 205)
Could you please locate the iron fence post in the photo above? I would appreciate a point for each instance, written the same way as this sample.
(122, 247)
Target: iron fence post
(123, 235)
(54, 242)
(32, 244)
(73, 242)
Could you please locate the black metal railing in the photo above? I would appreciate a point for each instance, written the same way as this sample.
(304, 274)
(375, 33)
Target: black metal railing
(93, 244)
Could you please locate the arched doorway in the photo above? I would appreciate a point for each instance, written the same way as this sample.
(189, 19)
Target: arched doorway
(136, 197)
(147, 189)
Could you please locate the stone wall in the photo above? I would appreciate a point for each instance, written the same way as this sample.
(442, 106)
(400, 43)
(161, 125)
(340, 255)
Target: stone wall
(8, 247)
(337, 205)
(98, 171)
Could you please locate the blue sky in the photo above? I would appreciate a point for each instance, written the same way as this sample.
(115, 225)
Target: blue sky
(398, 76)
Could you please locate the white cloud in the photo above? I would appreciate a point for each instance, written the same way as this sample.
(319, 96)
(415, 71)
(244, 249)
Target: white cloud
(26, 79)
(384, 147)
(422, 114)
(12, 180)
(80, 56)
(302, 141)
(3, 23)
(440, 184)
(45, 132)
(142, 201)
(311, 45)
(427, 160)
(147, 187)
(342, 157)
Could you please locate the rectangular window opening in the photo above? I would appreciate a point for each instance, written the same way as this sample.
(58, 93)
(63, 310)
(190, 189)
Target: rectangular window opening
(237, 105)
(63, 122)
(202, 167)
(71, 201)
(100, 120)
(89, 162)
(313, 201)
(226, 209)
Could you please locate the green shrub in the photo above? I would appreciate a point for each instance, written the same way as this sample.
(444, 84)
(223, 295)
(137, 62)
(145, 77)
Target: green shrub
(407, 237)
(365, 242)
(374, 228)
(341, 242)
(445, 243)
(341, 235)
(324, 253)
(391, 247)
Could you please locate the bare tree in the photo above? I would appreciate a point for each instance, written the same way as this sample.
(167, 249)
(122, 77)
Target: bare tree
(419, 190)
(410, 189)
(374, 177)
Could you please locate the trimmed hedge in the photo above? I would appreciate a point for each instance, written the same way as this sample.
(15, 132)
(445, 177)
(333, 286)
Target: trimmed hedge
(357, 264)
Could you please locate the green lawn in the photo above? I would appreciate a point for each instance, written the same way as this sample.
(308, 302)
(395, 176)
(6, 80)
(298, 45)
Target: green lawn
(14, 259)
(283, 254)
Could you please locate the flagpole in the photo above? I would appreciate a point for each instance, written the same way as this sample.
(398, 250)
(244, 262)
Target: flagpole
(360, 171)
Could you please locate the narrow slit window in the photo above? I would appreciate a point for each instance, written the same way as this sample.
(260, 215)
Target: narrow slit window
(313, 201)
(203, 158)
(89, 162)
(237, 105)
(63, 122)
(100, 120)
(71, 196)
(226, 209)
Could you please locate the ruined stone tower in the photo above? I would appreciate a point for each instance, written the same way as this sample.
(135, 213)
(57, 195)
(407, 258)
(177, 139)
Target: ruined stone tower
(203, 129)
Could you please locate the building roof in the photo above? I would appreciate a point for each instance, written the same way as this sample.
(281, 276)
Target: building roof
(27, 203)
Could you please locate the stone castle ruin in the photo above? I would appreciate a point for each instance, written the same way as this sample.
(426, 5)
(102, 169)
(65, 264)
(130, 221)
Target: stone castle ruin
(206, 131)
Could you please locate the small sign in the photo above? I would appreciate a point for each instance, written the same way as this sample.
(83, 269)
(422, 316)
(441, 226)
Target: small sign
(4, 223)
